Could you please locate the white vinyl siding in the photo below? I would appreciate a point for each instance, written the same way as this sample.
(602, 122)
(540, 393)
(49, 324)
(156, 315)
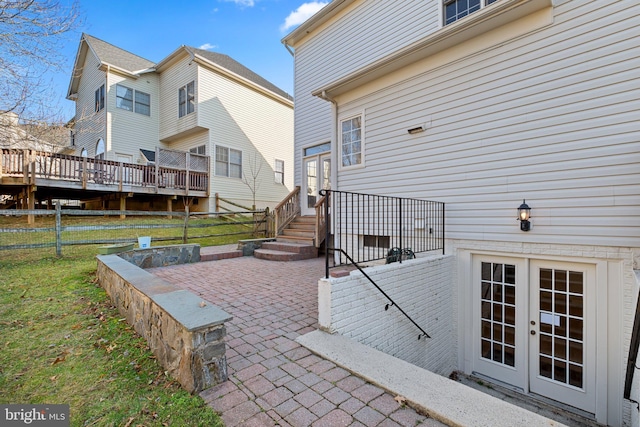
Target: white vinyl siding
(129, 132)
(546, 130)
(171, 79)
(90, 126)
(262, 133)
(340, 49)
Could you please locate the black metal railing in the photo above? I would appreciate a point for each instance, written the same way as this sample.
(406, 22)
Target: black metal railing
(372, 227)
(423, 333)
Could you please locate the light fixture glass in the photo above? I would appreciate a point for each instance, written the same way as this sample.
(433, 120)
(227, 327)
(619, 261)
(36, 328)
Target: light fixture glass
(524, 213)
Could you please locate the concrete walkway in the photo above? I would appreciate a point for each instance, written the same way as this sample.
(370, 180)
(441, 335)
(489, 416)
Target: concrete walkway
(273, 380)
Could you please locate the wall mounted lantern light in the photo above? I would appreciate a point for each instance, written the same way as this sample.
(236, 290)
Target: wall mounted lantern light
(524, 213)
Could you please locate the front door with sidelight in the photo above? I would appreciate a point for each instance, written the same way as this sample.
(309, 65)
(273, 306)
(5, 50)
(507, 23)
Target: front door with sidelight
(534, 327)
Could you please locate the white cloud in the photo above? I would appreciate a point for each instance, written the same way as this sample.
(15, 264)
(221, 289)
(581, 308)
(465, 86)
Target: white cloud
(301, 14)
(208, 46)
(243, 3)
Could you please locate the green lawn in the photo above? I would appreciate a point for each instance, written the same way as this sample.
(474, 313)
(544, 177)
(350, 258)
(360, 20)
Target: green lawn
(61, 341)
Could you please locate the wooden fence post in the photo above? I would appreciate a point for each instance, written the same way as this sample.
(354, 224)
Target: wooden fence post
(58, 229)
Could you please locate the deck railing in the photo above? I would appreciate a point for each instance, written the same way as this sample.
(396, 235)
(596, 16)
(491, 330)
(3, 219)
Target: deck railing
(372, 227)
(322, 220)
(173, 170)
(286, 210)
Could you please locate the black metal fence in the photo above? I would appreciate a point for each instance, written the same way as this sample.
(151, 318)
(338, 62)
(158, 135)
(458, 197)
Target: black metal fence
(370, 227)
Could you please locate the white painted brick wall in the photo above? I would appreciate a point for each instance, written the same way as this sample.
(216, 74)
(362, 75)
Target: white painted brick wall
(422, 287)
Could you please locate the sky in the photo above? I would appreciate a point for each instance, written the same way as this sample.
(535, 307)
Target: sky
(249, 31)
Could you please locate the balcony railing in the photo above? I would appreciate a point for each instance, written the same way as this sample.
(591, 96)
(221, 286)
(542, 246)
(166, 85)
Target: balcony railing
(371, 227)
(173, 170)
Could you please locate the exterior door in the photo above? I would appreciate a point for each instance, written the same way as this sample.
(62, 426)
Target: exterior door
(535, 327)
(563, 333)
(317, 176)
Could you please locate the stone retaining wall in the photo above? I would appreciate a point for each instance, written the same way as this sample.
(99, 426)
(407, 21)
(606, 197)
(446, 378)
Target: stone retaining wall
(185, 333)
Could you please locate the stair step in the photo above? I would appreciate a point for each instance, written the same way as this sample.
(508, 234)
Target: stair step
(271, 255)
(297, 233)
(220, 255)
(297, 239)
(297, 248)
(302, 226)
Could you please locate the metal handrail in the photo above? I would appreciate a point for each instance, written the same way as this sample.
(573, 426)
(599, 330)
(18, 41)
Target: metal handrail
(424, 333)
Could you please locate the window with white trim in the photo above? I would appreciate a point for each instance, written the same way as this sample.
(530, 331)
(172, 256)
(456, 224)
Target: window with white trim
(133, 100)
(457, 9)
(228, 162)
(186, 99)
(351, 141)
(279, 171)
(99, 98)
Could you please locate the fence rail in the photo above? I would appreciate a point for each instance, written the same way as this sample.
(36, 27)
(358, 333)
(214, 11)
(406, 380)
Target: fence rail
(173, 170)
(59, 228)
(372, 227)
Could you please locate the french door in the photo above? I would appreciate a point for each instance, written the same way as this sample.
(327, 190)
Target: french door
(534, 327)
(317, 176)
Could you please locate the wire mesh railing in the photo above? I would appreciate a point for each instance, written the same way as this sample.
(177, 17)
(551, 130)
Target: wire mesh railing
(70, 227)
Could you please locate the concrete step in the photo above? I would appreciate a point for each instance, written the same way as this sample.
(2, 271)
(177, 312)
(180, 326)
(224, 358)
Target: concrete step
(297, 248)
(272, 255)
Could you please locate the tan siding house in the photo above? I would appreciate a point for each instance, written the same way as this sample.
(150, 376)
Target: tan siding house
(193, 100)
(519, 99)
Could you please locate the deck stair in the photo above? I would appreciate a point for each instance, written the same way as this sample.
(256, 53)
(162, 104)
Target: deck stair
(300, 230)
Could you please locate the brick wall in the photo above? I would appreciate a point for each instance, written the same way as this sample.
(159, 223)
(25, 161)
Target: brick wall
(422, 287)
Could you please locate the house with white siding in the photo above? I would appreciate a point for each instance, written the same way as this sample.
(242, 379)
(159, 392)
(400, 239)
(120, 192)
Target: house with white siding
(482, 104)
(193, 101)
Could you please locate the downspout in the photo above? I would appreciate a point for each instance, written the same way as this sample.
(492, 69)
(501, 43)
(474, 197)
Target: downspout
(289, 49)
(107, 148)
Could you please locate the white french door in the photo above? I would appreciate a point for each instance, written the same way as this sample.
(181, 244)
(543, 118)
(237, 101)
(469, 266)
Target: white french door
(535, 327)
(317, 176)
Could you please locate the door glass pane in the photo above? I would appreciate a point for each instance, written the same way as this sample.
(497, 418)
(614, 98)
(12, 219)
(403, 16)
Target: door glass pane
(498, 312)
(561, 326)
(326, 174)
(312, 183)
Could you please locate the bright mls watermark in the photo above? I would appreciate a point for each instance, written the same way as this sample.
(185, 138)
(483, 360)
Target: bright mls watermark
(34, 415)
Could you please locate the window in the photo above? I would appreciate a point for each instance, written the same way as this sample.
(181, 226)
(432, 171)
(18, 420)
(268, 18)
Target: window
(133, 100)
(228, 162)
(372, 241)
(124, 98)
(99, 98)
(279, 171)
(72, 138)
(456, 9)
(143, 103)
(186, 99)
(351, 141)
(201, 149)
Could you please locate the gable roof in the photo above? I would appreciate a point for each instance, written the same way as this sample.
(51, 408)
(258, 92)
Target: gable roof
(230, 64)
(113, 55)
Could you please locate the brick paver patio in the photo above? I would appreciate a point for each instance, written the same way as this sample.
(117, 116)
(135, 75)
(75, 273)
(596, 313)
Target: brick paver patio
(273, 380)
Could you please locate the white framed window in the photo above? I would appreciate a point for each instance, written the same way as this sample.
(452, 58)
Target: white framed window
(351, 141)
(200, 149)
(278, 169)
(99, 98)
(457, 9)
(186, 99)
(228, 162)
(133, 100)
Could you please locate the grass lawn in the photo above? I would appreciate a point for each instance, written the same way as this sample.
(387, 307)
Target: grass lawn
(61, 341)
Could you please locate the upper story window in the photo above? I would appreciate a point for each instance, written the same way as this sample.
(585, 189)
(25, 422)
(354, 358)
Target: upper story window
(351, 141)
(133, 100)
(279, 171)
(456, 9)
(99, 100)
(228, 162)
(186, 99)
(200, 149)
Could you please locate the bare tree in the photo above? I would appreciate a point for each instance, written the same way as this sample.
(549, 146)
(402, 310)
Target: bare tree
(251, 180)
(32, 33)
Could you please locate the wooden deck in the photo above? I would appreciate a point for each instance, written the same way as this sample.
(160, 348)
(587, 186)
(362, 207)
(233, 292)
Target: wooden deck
(174, 173)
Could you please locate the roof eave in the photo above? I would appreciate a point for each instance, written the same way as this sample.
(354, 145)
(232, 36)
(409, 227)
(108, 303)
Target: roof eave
(323, 15)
